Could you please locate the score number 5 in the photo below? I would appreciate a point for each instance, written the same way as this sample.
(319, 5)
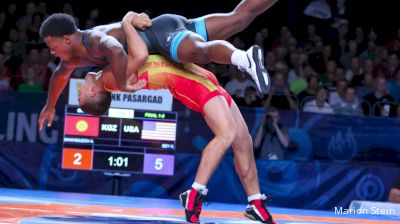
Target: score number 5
(158, 164)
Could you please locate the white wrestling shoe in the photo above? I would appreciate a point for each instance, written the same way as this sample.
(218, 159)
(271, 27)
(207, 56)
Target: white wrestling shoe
(257, 70)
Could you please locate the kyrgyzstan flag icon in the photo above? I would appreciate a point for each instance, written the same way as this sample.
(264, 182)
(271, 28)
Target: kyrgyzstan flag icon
(82, 126)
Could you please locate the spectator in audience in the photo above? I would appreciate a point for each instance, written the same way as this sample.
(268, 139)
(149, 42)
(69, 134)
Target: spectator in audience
(316, 57)
(298, 82)
(338, 94)
(320, 104)
(9, 21)
(67, 8)
(368, 68)
(312, 37)
(12, 65)
(30, 84)
(351, 52)
(26, 21)
(238, 83)
(393, 86)
(250, 98)
(279, 95)
(4, 79)
(42, 8)
(329, 78)
(238, 43)
(47, 60)
(309, 93)
(355, 69)
(369, 52)
(394, 194)
(389, 71)
(272, 138)
(33, 31)
(367, 86)
(350, 104)
(259, 40)
(34, 61)
(378, 100)
(93, 19)
(360, 40)
(270, 62)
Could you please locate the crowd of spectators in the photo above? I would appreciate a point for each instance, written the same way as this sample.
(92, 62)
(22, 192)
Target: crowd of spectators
(332, 66)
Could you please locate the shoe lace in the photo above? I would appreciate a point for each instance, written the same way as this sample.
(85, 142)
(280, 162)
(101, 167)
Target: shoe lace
(199, 202)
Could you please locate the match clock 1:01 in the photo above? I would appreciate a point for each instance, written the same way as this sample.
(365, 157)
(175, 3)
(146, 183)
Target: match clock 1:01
(118, 161)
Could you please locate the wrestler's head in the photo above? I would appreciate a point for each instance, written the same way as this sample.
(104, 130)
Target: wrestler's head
(93, 98)
(57, 32)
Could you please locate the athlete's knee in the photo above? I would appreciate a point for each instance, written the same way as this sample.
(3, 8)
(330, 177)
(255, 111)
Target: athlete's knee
(245, 140)
(227, 137)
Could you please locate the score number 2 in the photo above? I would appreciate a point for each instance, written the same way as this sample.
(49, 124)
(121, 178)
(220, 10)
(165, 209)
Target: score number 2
(77, 159)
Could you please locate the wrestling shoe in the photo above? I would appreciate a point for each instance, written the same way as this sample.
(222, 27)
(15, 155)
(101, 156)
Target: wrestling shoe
(192, 201)
(256, 210)
(257, 70)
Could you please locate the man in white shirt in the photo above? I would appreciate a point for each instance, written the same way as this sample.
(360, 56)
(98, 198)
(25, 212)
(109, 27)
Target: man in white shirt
(319, 105)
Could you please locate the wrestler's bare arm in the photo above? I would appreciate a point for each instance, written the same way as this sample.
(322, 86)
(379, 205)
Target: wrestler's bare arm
(137, 49)
(117, 58)
(57, 84)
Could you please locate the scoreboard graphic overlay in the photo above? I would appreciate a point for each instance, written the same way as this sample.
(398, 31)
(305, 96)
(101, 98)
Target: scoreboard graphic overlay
(124, 141)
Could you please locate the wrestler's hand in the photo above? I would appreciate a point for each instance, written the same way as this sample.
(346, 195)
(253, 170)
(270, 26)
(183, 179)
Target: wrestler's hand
(132, 85)
(139, 21)
(48, 113)
(142, 21)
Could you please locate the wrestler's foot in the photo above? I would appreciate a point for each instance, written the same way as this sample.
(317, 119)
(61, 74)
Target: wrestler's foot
(257, 70)
(257, 210)
(192, 200)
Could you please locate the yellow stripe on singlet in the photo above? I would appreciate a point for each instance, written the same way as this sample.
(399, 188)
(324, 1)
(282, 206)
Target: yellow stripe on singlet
(157, 67)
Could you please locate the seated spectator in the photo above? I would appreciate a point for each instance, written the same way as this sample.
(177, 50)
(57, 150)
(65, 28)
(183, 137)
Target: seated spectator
(350, 104)
(368, 67)
(30, 85)
(329, 78)
(67, 8)
(270, 62)
(12, 65)
(394, 194)
(238, 83)
(309, 93)
(367, 86)
(337, 95)
(33, 31)
(389, 69)
(320, 104)
(4, 80)
(354, 69)
(351, 52)
(272, 138)
(250, 98)
(34, 61)
(279, 95)
(298, 83)
(374, 101)
(393, 86)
